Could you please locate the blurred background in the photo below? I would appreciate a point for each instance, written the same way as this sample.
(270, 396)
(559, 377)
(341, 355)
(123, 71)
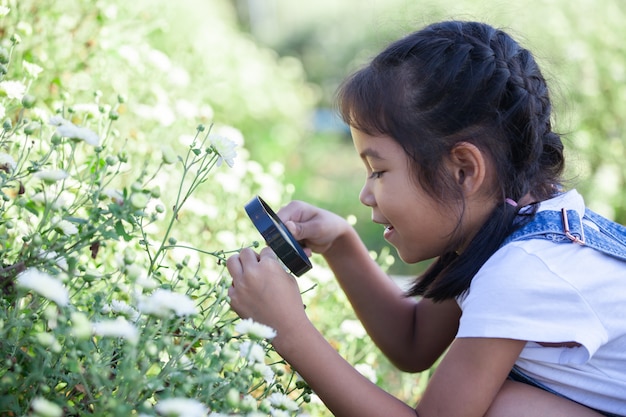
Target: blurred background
(578, 43)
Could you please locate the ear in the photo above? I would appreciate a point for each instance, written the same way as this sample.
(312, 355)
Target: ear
(468, 165)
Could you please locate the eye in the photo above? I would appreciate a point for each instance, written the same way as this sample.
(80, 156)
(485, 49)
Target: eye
(376, 174)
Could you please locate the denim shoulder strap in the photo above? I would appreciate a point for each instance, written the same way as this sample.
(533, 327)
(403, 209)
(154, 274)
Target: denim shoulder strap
(566, 226)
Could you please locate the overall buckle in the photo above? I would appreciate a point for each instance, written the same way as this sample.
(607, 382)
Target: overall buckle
(566, 230)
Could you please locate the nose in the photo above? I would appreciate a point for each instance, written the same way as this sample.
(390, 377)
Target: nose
(366, 196)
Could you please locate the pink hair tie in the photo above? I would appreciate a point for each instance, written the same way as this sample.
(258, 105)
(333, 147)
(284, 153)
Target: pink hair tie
(510, 202)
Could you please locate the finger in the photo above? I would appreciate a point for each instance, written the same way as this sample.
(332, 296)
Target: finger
(233, 264)
(267, 252)
(247, 255)
(296, 230)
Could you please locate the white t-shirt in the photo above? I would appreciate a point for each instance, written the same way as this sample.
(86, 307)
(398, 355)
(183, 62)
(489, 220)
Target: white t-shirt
(542, 292)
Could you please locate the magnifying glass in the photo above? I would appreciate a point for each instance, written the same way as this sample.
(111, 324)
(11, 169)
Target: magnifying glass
(277, 237)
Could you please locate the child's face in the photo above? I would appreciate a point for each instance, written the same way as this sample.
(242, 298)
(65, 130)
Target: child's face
(415, 224)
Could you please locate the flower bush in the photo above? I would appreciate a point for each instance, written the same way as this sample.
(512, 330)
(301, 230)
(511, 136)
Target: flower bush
(113, 217)
(103, 310)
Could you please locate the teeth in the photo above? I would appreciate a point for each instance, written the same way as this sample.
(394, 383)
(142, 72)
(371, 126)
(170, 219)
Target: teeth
(388, 227)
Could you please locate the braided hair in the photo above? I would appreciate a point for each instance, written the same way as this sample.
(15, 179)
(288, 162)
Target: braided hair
(455, 82)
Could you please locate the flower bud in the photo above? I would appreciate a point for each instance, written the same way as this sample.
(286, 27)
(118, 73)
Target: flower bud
(4, 56)
(31, 128)
(28, 101)
(56, 139)
(232, 398)
(111, 160)
(169, 156)
(136, 186)
(139, 200)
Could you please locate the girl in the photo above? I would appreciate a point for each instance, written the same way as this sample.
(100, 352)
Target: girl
(527, 295)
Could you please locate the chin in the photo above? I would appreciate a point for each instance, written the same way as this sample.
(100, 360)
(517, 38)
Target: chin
(409, 258)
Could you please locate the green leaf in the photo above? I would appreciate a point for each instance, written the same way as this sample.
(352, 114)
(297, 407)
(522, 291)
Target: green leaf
(32, 207)
(119, 228)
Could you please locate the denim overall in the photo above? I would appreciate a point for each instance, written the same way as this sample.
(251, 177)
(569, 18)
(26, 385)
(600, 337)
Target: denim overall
(567, 227)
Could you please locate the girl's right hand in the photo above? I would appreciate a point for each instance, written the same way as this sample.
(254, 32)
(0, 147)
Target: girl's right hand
(316, 229)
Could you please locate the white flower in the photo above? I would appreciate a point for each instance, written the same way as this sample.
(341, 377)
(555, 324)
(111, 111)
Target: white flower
(57, 120)
(162, 302)
(180, 407)
(225, 148)
(120, 307)
(115, 195)
(70, 130)
(261, 369)
(13, 89)
(55, 200)
(353, 328)
(145, 282)
(49, 341)
(252, 351)
(7, 163)
(119, 327)
(169, 155)
(51, 175)
(255, 330)
(60, 261)
(45, 285)
(44, 408)
(32, 69)
(4, 10)
(3, 111)
(367, 371)
(25, 28)
(81, 326)
(282, 402)
(65, 227)
(91, 109)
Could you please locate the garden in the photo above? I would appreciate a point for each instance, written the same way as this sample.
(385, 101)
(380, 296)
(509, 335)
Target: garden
(133, 133)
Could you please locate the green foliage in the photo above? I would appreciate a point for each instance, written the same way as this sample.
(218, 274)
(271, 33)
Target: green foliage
(114, 296)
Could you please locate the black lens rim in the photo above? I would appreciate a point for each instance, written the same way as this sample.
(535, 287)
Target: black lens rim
(277, 236)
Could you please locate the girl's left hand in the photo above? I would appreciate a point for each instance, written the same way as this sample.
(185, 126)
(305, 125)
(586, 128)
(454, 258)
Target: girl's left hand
(263, 291)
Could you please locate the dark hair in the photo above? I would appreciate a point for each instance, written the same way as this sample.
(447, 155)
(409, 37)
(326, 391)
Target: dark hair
(457, 82)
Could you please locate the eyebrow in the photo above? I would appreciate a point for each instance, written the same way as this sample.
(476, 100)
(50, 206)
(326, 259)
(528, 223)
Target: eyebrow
(369, 152)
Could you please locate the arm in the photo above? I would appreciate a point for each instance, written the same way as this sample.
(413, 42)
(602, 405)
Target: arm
(412, 334)
(263, 291)
(465, 383)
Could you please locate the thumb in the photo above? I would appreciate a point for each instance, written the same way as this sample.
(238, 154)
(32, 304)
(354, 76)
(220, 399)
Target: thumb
(296, 229)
